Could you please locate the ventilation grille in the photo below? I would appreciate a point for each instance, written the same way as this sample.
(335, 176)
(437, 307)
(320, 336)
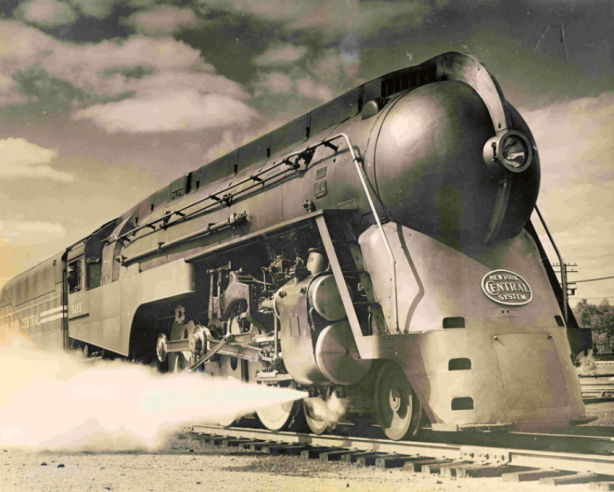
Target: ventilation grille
(409, 79)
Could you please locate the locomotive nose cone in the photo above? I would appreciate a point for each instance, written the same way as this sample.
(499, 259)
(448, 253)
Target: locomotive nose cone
(429, 166)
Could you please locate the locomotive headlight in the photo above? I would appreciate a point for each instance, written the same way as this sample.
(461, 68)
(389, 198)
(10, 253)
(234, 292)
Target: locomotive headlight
(510, 149)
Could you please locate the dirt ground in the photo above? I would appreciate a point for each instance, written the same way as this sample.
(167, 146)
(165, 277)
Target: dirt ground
(185, 465)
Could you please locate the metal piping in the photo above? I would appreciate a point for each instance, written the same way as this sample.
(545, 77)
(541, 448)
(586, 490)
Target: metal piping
(297, 154)
(214, 196)
(276, 325)
(561, 262)
(379, 225)
(207, 356)
(234, 219)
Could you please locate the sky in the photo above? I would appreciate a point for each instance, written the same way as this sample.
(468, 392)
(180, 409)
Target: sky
(102, 102)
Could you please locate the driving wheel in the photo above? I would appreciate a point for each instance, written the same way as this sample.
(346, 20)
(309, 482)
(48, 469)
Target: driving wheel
(283, 416)
(396, 405)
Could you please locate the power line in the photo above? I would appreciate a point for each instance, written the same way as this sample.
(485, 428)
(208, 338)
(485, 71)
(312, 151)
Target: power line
(601, 297)
(593, 279)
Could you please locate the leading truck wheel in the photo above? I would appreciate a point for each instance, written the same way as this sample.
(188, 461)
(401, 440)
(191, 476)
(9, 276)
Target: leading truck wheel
(285, 416)
(180, 361)
(315, 422)
(396, 405)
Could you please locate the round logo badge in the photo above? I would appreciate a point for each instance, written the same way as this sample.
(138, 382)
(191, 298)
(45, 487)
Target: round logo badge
(507, 288)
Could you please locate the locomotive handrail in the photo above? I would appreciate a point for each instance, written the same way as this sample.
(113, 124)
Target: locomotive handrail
(233, 220)
(306, 155)
(563, 272)
(213, 196)
(379, 225)
(307, 152)
(451, 65)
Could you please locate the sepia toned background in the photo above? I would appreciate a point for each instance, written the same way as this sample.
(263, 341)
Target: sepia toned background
(102, 102)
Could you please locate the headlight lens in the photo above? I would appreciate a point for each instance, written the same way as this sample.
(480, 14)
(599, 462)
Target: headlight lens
(514, 152)
(511, 149)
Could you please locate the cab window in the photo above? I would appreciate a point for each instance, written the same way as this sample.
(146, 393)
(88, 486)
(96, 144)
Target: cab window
(75, 276)
(94, 272)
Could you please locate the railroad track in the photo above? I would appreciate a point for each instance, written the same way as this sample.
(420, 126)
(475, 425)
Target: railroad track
(594, 465)
(597, 387)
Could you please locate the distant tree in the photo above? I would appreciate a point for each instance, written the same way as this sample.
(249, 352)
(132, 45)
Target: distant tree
(599, 318)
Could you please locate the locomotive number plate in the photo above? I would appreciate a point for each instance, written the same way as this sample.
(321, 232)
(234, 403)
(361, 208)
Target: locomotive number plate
(505, 287)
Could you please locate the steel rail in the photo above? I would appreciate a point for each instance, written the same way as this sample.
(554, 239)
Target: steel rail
(480, 455)
(435, 450)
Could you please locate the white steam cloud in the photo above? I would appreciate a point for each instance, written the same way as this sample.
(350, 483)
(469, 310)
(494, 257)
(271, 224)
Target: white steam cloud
(56, 401)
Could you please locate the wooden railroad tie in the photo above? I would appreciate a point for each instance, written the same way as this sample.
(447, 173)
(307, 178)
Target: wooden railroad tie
(575, 478)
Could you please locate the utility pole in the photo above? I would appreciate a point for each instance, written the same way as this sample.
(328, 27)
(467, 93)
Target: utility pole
(566, 269)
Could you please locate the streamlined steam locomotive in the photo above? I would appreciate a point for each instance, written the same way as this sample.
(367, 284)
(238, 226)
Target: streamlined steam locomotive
(378, 249)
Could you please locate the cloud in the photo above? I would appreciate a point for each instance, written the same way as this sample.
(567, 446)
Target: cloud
(22, 159)
(46, 13)
(575, 140)
(228, 143)
(94, 8)
(274, 82)
(309, 88)
(166, 81)
(281, 84)
(350, 48)
(169, 111)
(18, 233)
(162, 20)
(54, 93)
(575, 144)
(331, 17)
(9, 91)
(335, 68)
(97, 81)
(81, 61)
(232, 139)
(142, 4)
(318, 79)
(280, 53)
